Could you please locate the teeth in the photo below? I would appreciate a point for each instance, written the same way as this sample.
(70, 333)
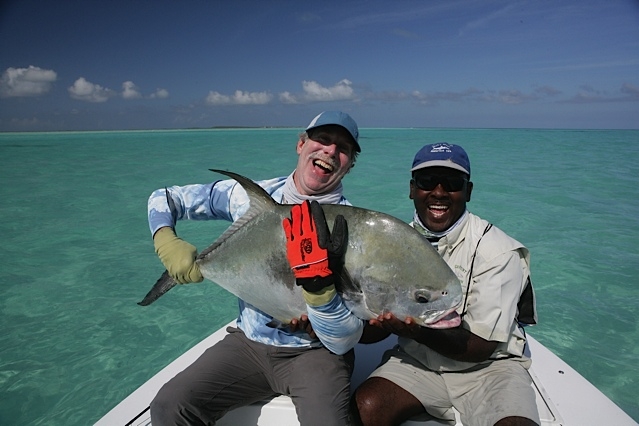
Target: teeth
(324, 165)
(438, 207)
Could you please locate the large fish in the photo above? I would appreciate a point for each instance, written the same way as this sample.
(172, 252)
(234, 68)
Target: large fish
(388, 266)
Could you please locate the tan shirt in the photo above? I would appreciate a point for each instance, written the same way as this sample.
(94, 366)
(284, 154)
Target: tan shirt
(499, 276)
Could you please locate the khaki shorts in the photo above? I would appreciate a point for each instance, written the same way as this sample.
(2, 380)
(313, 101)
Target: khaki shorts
(482, 396)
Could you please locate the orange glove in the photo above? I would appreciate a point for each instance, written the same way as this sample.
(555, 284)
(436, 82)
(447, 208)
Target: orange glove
(309, 244)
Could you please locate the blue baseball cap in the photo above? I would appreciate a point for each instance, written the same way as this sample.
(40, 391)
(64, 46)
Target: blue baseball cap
(442, 154)
(340, 119)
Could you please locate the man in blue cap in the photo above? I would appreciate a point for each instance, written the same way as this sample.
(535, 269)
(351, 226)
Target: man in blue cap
(259, 359)
(479, 367)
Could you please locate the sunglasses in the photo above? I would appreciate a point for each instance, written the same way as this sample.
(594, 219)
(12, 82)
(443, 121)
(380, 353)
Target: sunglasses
(430, 182)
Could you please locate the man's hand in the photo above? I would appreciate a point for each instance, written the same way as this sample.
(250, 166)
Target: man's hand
(390, 323)
(309, 244)
(456, 342)
(177, 255)
(302, 324)
(306, 255)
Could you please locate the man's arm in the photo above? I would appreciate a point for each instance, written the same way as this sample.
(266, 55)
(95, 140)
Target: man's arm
(167, 206)
(373, 334)
(335, 326)
(309, 246)
(191, 202)
(455, 343)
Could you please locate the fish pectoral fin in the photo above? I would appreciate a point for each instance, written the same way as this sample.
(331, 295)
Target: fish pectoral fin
(276, 324)
(344, 283)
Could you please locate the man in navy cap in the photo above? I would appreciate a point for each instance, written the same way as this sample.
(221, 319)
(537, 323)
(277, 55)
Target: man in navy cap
(259, 359)
(479, 367)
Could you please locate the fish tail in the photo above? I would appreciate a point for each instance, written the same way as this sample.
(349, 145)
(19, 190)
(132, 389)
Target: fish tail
(164, 284)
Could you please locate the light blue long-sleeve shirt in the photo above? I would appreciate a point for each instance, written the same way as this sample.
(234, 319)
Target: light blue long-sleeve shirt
(336, 327)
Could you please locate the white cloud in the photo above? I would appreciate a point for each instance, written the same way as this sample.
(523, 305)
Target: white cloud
(216, 98)
(130, 90)
(32, 81)
(315, 92)
(159, 94)
(255, 98)
(547, 91)
(631, 90)
(589, 94)
(239, 98)
(513, 97)
(84, 90)
(288, 98)
(25, 122)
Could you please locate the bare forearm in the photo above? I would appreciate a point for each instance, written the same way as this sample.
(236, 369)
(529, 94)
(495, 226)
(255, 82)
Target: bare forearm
(456, 343)
(373, 334)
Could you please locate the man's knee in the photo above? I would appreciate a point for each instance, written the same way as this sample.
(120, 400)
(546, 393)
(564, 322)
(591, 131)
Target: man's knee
(515, 421)
(331, 409)
(379, 401)
(169, 406)
(366, 404)
(164, 408)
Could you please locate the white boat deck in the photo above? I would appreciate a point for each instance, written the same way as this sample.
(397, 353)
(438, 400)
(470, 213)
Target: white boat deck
(564, 397)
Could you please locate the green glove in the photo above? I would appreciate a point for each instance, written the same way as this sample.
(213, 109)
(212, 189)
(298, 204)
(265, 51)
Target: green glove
(178, 256)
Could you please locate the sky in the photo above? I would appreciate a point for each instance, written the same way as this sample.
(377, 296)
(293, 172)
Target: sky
(176, 64)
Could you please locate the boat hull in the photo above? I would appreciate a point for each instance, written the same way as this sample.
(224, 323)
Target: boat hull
(564, 397)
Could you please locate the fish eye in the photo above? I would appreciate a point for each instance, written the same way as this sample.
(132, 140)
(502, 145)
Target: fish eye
(421, 296)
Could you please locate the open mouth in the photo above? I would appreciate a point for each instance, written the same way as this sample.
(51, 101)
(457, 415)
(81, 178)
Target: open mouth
(326, 167)
(450, 320)
(437, 210)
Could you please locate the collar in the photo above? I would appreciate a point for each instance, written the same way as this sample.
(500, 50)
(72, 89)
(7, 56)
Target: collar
(290, 194)
(436, 236)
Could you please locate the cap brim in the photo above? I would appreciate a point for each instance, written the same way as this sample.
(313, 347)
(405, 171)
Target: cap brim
(440, 163)
(357, 147)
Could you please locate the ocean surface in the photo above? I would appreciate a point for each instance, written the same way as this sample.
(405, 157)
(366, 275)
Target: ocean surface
(76, 252)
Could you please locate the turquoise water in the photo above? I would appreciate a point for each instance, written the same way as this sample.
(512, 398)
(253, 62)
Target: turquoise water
(76, 253)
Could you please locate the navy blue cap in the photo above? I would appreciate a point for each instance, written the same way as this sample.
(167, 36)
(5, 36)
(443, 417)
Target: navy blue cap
(442, 154)
(340, 119)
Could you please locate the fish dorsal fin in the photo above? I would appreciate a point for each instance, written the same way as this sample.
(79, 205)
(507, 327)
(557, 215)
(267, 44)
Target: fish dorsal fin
(259, 199)
(172, 207)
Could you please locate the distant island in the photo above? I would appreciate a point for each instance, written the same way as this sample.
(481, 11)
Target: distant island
(244, 127)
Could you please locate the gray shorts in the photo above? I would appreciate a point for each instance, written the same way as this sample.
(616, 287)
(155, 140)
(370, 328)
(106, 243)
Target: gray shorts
(482, 396)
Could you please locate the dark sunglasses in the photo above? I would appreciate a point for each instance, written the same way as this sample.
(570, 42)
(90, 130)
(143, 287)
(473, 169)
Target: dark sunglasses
(430, 182)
